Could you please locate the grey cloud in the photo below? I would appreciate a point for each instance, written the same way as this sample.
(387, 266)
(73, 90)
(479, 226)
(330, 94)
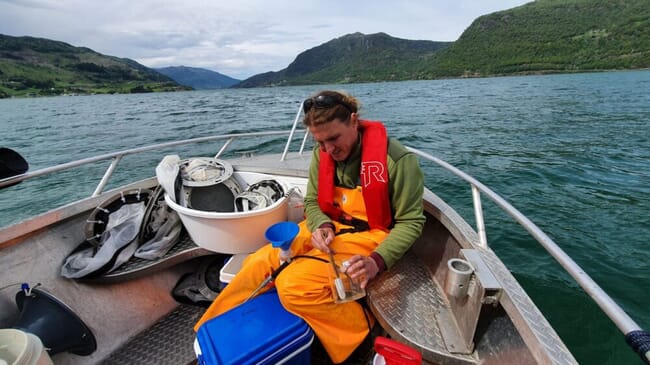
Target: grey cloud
(239, 38)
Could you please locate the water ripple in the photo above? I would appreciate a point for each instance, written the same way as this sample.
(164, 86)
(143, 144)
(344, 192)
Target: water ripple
(569, 151)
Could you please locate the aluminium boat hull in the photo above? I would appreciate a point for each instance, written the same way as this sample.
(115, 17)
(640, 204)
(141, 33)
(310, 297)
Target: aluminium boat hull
(410, 301)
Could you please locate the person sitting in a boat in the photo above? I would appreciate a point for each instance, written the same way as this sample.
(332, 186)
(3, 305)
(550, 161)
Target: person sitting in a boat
(363, 202)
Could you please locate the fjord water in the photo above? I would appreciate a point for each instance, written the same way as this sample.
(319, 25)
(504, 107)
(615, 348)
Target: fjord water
(570, 151)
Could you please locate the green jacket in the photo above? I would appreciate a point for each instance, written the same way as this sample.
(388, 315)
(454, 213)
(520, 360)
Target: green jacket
(406, 189)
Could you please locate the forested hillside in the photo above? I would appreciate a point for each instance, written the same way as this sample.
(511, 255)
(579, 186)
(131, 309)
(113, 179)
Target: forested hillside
(352, 58)
(547, 36)
(35, 66)
(543, 36)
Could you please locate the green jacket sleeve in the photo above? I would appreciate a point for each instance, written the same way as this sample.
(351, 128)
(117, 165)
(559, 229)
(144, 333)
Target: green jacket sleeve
(315, 217)
(406, 189)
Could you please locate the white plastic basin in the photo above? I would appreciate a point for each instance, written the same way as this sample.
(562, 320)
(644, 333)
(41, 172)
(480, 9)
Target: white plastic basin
(232, 232)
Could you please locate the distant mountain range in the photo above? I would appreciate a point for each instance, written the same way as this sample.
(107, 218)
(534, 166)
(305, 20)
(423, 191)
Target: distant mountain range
(543, 36)
(352, 58)
(35, 67)
(198, 78)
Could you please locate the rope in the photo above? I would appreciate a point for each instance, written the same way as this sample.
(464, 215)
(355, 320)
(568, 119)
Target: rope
(640, 342)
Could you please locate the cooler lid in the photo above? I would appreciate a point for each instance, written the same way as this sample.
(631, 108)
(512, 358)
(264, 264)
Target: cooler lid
(258, 331)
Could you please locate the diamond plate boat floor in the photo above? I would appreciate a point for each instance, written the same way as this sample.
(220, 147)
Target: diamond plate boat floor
(168, 342)
(409, 305)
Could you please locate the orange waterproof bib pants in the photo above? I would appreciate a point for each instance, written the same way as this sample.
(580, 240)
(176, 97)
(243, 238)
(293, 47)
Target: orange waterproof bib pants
(304, 285)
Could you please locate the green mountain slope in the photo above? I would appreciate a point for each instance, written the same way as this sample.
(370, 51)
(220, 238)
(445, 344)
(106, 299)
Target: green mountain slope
(353, 58)
(36, 66)
(551, 36)
(543, 36)
(198, 78)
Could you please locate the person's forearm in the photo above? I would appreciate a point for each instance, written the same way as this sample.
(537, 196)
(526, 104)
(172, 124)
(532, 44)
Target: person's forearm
(398, 241)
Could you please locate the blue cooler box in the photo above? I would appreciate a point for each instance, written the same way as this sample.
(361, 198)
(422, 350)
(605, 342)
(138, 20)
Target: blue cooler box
(259, 331)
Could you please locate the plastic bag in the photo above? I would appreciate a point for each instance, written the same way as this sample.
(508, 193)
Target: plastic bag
(121, 231)
(167, 174)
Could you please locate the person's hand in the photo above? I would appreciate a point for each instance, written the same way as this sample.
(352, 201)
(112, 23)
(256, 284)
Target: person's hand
(361, 268)
(322, 237)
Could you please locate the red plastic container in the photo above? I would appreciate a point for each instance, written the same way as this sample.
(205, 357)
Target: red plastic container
(396, 353)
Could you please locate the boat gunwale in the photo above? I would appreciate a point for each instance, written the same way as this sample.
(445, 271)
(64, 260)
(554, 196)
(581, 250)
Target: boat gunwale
(116, 156)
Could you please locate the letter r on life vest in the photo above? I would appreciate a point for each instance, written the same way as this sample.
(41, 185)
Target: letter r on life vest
(372, 171)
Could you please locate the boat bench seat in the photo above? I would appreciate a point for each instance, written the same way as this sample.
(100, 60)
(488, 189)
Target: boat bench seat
(410, 306)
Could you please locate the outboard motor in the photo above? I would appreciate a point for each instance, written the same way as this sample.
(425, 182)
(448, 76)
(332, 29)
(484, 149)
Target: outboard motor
(53, 322)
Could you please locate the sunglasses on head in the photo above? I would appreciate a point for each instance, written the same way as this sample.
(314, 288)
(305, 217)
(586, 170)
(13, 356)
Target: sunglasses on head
(324, 102)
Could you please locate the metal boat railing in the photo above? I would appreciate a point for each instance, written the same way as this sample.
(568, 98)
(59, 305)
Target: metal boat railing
(116, 157)
(622, 320)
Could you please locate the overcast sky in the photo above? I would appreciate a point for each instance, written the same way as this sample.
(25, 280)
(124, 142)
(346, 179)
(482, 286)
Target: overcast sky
(238, 38)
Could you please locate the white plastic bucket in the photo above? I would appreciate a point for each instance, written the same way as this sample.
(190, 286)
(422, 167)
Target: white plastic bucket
(378, 360)
(232, 232)
(21, 348)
